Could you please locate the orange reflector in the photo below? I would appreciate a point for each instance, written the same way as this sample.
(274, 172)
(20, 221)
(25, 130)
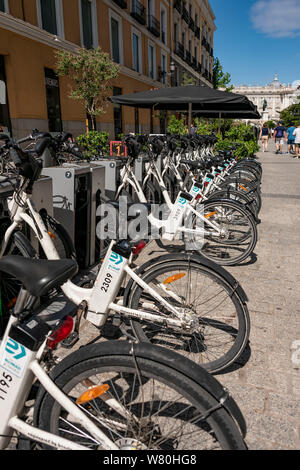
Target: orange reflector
(171, 279)
(210, 214)
(51, 235)
(92, 393)
(12, 302)
(243, 187)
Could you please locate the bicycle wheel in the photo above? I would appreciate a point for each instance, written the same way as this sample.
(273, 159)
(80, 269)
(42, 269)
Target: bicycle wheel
(235, 196)
(221, 320)
(240, 232)
(150, 403)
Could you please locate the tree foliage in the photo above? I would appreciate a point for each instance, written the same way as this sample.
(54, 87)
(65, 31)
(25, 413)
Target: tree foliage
(291, 115)
(221, 79)
(94, 143)
(188, 80)
(176, 126)
(90, 72)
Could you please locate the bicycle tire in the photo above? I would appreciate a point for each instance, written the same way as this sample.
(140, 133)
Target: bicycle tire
(219, 253)
(218, 309)
(176, 388)
(230, 193)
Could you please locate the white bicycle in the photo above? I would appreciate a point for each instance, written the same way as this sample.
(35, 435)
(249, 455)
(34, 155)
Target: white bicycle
(181, 301)
(104, 396)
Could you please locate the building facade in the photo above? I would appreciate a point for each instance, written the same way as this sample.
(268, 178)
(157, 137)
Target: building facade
(270, 99)
(141, 37)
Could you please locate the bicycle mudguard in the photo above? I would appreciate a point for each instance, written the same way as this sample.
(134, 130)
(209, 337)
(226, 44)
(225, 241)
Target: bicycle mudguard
(195, 258)
(147, 351)
(64, 236)
(20, 237)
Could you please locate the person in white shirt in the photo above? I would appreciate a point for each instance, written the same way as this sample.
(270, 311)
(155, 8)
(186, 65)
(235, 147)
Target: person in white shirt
(296, 133)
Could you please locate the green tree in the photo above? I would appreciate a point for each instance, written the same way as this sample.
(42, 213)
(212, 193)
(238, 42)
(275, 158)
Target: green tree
(221, 79)
(291, 115)
(270, 124)
(188, 80)
(176, 126)
(90, 72)
(94, 143)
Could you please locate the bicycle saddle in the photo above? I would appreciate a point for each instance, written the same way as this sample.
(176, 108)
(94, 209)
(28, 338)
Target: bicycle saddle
(38, 276)
(194, 164)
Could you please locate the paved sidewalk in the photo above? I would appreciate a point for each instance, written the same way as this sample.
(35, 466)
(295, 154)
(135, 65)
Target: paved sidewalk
(267, 387)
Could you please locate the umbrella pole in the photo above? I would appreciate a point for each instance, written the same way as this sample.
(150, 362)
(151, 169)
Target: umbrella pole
(190, 117)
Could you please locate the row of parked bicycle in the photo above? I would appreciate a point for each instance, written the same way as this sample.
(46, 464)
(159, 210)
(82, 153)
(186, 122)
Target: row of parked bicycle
(184, 316)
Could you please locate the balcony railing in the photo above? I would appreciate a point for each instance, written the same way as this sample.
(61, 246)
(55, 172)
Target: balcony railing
(197, 32)
(138, 11)
(154, 25)
(179, 49)
(121, 3)
(185, 15)
(178, 5)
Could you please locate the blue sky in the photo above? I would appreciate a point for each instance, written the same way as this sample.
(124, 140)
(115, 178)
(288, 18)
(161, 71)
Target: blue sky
(257, 38)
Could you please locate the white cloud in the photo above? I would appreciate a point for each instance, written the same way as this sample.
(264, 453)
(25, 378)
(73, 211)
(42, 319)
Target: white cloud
(277, 18)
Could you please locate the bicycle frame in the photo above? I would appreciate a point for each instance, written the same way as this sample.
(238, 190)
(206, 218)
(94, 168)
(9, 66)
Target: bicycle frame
(183, 206)
(100, 298)
(19, 367)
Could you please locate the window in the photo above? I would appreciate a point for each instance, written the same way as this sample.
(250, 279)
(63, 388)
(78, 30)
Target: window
(163, 25)
(88, 23)
(4, 6)
(118, 122)
(53, 101)
(150, 7)
(136, 52)
(5, 124)
(87, 29)
(151, 60)
(163, 68)
(175, 32)
(183, 39)
(115, 38)
(50, 16)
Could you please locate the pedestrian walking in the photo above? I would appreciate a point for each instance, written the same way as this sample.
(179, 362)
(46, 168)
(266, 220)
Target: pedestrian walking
(291, 139)
(264, 137)
(193, 129)
(296, 133)
(279, 136)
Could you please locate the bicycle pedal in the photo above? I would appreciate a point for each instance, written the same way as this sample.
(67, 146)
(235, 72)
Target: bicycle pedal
(70, 340)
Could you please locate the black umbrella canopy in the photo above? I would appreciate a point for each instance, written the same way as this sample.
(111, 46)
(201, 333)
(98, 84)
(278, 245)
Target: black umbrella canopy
(181, 99)
(228, 114)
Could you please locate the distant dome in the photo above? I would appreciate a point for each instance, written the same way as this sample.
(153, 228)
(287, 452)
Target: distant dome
(275, 83)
